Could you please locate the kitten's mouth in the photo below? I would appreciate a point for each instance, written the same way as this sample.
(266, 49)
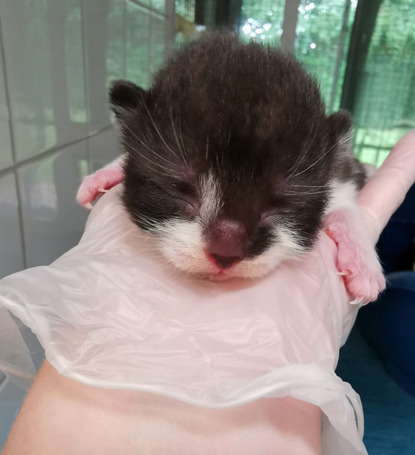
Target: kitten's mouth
(221, 275)
(220, 271)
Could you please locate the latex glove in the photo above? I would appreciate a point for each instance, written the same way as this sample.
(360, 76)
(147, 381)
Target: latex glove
(111, 313)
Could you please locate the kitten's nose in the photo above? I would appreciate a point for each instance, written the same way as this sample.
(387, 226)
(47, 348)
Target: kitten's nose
(224, 262)
(226, 239)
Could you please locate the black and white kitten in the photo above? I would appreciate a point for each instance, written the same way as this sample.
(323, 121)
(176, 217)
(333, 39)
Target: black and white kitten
(231, 162)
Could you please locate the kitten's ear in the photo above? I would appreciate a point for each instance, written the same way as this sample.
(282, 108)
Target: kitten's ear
(340, 132)
(125, 97)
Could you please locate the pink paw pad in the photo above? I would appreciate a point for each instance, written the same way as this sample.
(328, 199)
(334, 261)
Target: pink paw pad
(357, 261)
(97, 183)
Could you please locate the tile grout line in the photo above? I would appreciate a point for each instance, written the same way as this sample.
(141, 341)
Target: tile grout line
(84, 20)
(149, 48)
(170, 9)
(13, 168)
(51, 151)
(125, 37)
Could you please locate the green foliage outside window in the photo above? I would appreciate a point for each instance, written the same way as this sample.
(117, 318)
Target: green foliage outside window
(262, 21)
(320, 40)
(385, 93)
(323, 32)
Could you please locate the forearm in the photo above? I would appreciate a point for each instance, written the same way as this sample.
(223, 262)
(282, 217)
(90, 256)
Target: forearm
(63, 416)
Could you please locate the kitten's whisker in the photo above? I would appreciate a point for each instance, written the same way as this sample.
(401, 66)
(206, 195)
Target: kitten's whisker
(151, 162)
(146, 146)
(315, 162)
(308, 186)
(302, 155)
(144, 222)
(207, 149)
(148, 221)
(288, 193)
(158, 131)
(181, 132)
(181, 150)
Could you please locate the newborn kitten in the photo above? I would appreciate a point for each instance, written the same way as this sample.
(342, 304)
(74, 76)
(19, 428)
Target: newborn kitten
(231, 162)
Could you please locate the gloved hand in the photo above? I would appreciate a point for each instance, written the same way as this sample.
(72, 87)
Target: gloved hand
(111, 313)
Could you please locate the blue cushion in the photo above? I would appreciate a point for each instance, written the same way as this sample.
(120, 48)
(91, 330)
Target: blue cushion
(396, 245)
(389, 325)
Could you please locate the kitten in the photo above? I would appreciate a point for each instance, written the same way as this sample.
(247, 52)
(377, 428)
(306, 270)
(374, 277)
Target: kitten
(231, 162)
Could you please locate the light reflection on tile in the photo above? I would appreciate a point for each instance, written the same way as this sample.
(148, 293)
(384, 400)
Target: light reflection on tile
(52, 220)
(11, 252)
(138, 35)
(158, 4)
(44, 65)
(105, 55)
(73, 62)
(157, 42)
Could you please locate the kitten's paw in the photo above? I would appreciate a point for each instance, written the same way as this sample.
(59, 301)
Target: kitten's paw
(357, 261)
(100, 182)
(363, 277)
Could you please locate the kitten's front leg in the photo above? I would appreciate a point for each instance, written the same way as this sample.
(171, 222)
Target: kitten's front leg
(357, 260)
(100, 182)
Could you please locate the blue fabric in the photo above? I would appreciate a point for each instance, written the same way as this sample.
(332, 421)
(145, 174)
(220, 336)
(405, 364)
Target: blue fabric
(396, 245)
(389, 325)
(389, 410)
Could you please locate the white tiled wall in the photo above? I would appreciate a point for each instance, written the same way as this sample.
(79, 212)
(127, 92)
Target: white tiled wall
(6, 159)
(57, 58)
(52, 222)
(11, 247)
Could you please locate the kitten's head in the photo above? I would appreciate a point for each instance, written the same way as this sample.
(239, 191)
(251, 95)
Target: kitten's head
(229, 156)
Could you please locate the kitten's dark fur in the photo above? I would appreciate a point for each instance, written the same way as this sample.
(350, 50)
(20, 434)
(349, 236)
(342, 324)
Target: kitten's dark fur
(247, 118)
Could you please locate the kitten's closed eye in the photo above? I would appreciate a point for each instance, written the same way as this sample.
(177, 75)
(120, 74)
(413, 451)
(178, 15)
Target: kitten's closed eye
(277, 205)
(185, 194)
(184, 188)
